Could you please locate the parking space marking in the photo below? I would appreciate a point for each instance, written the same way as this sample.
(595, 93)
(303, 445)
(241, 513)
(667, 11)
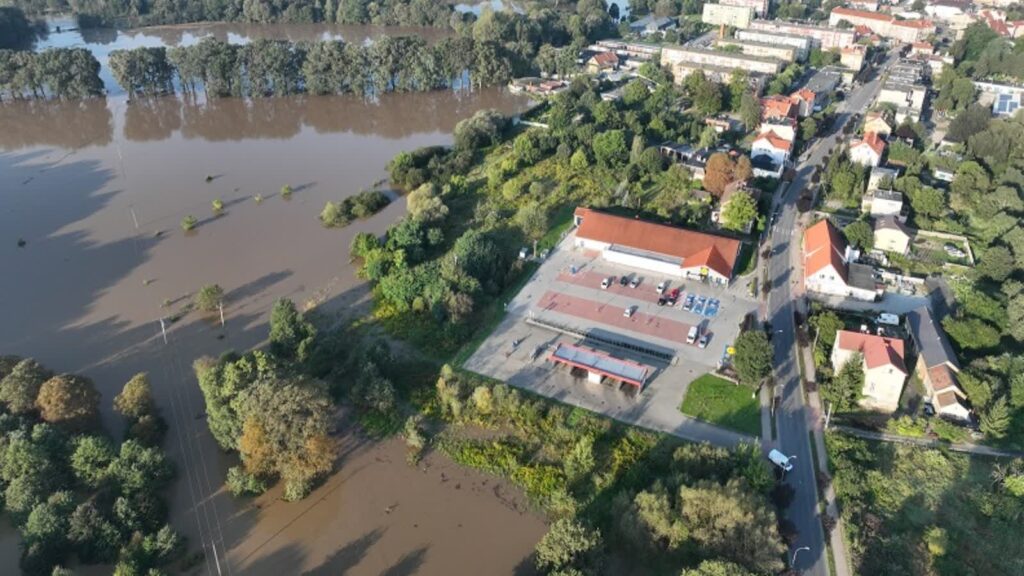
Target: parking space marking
(610, 315)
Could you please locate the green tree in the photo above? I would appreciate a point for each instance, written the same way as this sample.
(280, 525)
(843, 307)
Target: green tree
(717, 568)
(859, 234)
(995, 421)
(846, 388)
(209, 298)
(753, 359)
(20, 387)
(135, 399)
(739, 212)
(750, 110)
(69, 400)
(826, 323)
(532, 219)
(579, 161)
(610, 148)
(291, 334)
(997, 263)
(971, 333)
(90, 461)
(565, 543)
(808, 129)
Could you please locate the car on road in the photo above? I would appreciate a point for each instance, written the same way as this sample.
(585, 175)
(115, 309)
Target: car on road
(607, 282)
(662, 286)
(634, 281)
(691, 336)
(780, 460)
(628, 312)
(688, 303)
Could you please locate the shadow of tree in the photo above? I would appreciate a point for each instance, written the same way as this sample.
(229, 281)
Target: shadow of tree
(348, 556)
(408, 564)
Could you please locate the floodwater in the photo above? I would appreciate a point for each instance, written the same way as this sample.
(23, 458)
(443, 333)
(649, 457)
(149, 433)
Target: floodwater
(91, 196)
(102, 41)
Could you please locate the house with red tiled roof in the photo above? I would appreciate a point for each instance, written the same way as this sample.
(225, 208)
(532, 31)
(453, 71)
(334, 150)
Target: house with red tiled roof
(669, 250)
(773, 146)
(882, 360)
(829, 266)
(883, 25)
(603, 61)
(805, 101)
(777, 107)
(867, 151)
(922, 48)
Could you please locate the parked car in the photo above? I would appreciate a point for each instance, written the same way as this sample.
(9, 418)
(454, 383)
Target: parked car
(628, 312)
(691, 336)
(662, 285)
(780, 460)
(623, 281)
(705, 338)
(607, 282)
(662, 301)
(634, 281)
(673, 297)
(688, 303)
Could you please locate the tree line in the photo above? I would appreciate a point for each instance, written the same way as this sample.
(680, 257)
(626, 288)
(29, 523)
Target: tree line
(54, 73)
(17, 31)
(73, 492)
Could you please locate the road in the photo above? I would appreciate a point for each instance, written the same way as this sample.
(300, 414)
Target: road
(978, 449)
(791, 416)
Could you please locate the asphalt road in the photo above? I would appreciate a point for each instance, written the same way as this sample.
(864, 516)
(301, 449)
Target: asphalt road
(791, 415)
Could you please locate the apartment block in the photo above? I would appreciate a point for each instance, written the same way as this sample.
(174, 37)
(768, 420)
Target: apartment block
(904, 86)
(725, 15)
(683, 59)
(786, 53)
(884, 25)
(802, 44)
(760, 7)
(821, 36)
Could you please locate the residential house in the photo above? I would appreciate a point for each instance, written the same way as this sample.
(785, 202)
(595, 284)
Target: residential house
(663, 249)
(996, 20)
(921, 49)
(731, 191)
(805, 101)
(829, 266)
(867, 151)
(883, 178)
(762, 49)
(773, 146)
(876, 122)
(884, 25)
(723, 124)
(937, 366)
(1007, 104)
(866, 5)
(760, 7)
(947, 9)
(603, 62)
(684, 60)
(882, 360)
(852, 57)
(651, 24)
(891, 235)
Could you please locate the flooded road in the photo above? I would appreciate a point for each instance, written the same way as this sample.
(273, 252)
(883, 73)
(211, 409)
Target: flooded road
(91, 197)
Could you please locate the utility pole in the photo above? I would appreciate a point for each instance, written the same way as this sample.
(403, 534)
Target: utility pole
(220, 306)
(134, 218)
(163, 330)
(828, 415)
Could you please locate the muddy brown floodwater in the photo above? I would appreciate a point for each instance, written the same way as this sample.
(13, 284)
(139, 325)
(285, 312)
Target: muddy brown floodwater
(95, 191)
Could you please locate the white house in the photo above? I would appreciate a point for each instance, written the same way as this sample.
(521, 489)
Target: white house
(828, 268)
(867, 151)
(883, 364)
(772, 145)
(890, 235)
(668, 250)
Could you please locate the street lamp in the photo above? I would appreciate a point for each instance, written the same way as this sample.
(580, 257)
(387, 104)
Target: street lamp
(792, 562)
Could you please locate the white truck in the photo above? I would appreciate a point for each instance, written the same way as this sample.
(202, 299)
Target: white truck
(780, 460)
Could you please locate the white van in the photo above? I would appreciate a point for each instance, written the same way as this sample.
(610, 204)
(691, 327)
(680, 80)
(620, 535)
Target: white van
(780, 460)
(691, 337)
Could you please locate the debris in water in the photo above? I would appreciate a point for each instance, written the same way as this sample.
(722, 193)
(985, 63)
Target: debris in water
(21, 242)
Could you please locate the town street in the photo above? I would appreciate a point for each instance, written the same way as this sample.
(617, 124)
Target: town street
(794, 430)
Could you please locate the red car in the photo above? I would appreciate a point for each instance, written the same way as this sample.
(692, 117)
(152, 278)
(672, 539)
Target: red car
(673, 297)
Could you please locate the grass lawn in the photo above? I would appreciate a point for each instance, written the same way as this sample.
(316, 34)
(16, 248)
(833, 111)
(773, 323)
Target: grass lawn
(723, 403)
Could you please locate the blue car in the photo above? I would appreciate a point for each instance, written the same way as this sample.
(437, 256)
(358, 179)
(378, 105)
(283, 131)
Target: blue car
(688, 303)
(699, 307)
(712, 309)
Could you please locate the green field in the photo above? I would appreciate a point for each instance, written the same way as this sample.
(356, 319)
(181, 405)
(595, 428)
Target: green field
(723, 403)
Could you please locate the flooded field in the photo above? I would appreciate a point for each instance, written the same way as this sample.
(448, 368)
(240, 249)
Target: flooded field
(91, 196)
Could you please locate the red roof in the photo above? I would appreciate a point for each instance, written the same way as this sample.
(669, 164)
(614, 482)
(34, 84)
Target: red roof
(776, 141)
(862, 30)
(777, 107)
(877, 350)
(872, 141)
(861, 14)
(694, 248)
(804, 94)
(823, 245)
(606, 58)
(942, 378)
(913, 23)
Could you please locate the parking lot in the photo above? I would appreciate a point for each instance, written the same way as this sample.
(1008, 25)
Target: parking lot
(565, 300)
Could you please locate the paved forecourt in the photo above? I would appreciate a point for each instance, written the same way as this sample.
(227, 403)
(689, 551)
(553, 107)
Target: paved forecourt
(566, 292)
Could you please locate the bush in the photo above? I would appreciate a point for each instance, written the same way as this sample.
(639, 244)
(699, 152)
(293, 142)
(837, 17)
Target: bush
(209, 298)
(189, 222)
(362, 205)
(242, 483)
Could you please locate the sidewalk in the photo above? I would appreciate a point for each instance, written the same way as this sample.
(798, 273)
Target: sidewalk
(927, 442)
(816, 417)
